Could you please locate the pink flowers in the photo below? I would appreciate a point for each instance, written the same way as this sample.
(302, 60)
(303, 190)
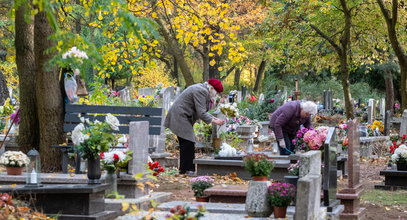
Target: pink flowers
(281, 194)
(310, 139)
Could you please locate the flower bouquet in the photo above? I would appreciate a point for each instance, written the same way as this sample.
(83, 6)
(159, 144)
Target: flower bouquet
(95, 137)
(200, 183)
(294, 169)
(146, 101)
(280, 196)
(156, 168)
(400, 157)
(113, 160)
(310, 139)
(230, 110)
(258, 165)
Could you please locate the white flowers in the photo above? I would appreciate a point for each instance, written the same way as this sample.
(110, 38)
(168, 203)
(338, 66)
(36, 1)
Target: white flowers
(113, 122)
(399, 153)
(14, 159)
(114, 156)
(227, 151)
(77, 136)
(230, 110)
(75, 53)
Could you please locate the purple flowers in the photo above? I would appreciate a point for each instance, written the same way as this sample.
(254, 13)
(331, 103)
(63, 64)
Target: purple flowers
(15, 117)
(281, 194)
(202, 178)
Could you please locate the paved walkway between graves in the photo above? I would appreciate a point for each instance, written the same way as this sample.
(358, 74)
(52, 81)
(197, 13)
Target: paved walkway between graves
(224, 211)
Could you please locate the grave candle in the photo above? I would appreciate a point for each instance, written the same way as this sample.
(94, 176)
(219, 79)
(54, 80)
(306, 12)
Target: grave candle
(33, 177)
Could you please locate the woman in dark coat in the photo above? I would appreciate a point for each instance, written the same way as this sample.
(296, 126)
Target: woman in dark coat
(286, 121)
(192, 104)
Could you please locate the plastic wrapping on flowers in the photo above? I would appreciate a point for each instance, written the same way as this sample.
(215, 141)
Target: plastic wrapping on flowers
(310, 139)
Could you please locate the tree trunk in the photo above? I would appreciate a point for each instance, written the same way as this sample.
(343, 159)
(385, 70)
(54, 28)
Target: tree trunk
(346, 87)
(237, 78)
(391, 22)
(175, 73)
(388, 79)
(3, 89)
(24, 42)
(49, 97)
(177, 53)
(259, 76)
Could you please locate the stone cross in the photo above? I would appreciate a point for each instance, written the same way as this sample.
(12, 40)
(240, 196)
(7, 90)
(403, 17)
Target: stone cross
(125, 95)
(350, 197)
(239, 96)
(403, 126)
(371, 111)
(138, 143)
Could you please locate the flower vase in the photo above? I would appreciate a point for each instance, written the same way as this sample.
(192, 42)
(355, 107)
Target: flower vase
(280, 212)
(14, 170)
(111, 179)
(401, 166)
(94, 172)
(256, 199)
(291, 180)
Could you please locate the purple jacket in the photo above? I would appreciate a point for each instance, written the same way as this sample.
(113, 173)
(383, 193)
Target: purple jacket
(287, 118)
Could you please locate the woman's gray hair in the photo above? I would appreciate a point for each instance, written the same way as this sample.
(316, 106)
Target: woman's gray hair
(309, 107)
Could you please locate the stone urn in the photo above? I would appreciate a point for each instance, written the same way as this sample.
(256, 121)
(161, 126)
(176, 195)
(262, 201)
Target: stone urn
(246, 130)
(256, 199)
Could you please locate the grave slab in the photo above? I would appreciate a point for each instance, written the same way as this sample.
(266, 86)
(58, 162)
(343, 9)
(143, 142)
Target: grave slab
(394, 180)
(227, 193)
(68, 201)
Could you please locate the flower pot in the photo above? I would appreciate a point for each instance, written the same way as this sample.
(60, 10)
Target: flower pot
(259, 178)
(291, 179)
(257, 204)
(279, 212)
(216, 142)
(402, 166)
(202, 198)
(14, 170)
(94, 172)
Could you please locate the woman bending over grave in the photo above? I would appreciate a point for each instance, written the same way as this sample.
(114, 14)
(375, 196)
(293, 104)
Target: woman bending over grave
(287, 120)
(192, 104)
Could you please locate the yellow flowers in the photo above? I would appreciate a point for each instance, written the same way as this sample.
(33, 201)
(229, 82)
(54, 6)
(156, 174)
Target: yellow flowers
(379, 125)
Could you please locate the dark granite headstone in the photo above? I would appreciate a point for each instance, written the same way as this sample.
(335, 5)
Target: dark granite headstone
(330, 170)
(68, 201)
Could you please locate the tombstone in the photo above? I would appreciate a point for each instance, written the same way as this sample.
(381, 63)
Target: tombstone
(261, 98)
(308, 202)
(146, 91)
(382, 108)
(138, 143)
(244, 92)
(350, 197)
(239, 96)
(370, 113)
(178, 91)
(403, 126)
(328, 104)
(125, 95)
(387, 123)
(330, 170)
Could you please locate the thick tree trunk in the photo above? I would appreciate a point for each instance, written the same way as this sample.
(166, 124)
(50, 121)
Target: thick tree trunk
(24, 42)
(388, 79)
(236, 83)
(213, 70)
(177, 53)
(346, 87)
(49, 97)
(391, 21)
(259, 76)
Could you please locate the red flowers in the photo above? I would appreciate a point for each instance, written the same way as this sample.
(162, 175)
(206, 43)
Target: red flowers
(252, 99)
(156, 167)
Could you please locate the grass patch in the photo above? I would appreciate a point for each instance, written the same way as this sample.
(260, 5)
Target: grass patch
(382, 197)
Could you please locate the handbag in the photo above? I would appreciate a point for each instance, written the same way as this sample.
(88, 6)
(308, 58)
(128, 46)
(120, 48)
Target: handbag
(81, 89)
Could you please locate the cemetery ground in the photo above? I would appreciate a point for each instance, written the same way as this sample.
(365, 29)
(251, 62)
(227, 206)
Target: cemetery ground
(380, 204)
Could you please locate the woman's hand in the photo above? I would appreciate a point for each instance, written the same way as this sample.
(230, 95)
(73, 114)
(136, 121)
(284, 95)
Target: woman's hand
(218, 121)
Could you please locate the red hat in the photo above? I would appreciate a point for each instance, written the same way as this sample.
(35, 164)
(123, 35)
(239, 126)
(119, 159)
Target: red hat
(217, 85)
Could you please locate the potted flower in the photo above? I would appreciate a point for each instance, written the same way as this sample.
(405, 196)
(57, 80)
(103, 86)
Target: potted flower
(199, 184)
(400, 157)
(92, 139)
(280, 196)
(14, 161)
(293, 173)
(258, 165)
